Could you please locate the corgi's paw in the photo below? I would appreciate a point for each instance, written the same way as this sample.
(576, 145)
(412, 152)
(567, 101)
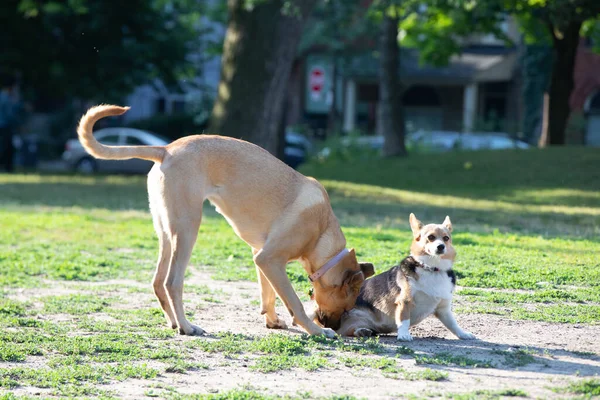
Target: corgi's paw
(404, 337)
(363, 332)
(464, 335)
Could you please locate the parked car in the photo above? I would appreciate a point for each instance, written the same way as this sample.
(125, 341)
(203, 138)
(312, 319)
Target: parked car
(297, 148)
(450, 140)
(77, 159)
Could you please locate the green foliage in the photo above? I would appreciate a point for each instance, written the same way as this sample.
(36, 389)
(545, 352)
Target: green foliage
(435, 27)
(96, 50)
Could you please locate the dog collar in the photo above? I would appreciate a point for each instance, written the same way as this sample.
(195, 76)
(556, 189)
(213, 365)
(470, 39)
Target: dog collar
(428, 267)
(328, 265)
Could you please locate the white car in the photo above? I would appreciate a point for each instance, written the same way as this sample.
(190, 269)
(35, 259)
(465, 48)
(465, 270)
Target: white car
(296, 151)
(79, 160)
(449, 140)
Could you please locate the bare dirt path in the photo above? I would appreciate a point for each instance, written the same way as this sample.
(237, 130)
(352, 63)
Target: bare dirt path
(533, 357)
(530, 356)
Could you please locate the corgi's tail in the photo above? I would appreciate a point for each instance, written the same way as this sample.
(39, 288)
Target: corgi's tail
(99, 150)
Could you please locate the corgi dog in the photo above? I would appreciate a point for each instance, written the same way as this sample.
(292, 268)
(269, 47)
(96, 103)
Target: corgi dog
(405, 295)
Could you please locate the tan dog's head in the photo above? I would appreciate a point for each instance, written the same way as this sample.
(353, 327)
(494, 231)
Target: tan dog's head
(432, 240)
(332, 301)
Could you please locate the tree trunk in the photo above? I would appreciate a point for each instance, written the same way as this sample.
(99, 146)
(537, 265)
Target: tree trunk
(258, 52)
(561, 86)
(390, 120)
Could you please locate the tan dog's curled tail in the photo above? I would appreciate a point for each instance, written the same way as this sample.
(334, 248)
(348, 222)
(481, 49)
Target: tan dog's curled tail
(99, 150)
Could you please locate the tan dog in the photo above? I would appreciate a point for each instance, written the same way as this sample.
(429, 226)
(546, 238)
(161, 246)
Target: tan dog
(280, 213)
(408, 293)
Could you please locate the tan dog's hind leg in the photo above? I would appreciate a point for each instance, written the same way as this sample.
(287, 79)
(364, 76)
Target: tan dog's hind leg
(402, 315)
(162, 269)
(184, 231)
(267, 302)
(273, 269)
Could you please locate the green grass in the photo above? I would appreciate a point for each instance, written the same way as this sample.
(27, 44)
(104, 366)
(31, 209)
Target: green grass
(488, 394)
(526, 229)
(517, 358)
(452, 360)
(586, 387)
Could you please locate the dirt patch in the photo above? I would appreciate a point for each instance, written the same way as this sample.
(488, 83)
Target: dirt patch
(531, 356)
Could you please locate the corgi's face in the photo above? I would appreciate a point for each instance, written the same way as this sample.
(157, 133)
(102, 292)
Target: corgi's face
(432, 240)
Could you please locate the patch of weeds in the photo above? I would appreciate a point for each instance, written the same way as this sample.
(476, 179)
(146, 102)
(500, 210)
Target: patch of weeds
(286, 361)
(449, 359)
(235, 394)
(12, 353)
(587, 387)
(403, 350)
(227, 344)
(60, 378)
(487, 394)
(385, 364)
(584, 354)
(12, 308)
(181, 367)
(516, 358)
(278, 344)
(211, 299)
(369, 345)
(426, 374)
(77, 304)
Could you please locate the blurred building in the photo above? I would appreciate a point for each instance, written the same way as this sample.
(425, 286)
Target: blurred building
(480, 86)
(156, 98)
(479, 90)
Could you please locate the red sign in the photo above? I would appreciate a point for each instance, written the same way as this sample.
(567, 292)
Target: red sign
(316, 82)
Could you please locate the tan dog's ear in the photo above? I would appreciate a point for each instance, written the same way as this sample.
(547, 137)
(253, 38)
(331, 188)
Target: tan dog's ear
(367, 269)
(447, 224)
(416, 226)
(353, 281)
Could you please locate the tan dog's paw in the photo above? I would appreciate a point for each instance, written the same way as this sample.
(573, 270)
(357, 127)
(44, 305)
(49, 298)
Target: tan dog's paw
(193, 330)
(363, 332)
(277, 324)
(464, 335)
(329, 333)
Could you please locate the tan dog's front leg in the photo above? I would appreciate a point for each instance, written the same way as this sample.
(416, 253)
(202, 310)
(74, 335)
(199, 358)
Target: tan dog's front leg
(403, 309)
(267, 303)
(274, 270)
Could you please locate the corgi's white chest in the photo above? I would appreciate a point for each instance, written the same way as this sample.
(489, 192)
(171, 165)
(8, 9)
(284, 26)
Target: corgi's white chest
(436, 284)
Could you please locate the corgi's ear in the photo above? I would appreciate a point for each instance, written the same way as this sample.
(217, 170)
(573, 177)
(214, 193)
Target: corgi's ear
(447, 224)
(415, 225)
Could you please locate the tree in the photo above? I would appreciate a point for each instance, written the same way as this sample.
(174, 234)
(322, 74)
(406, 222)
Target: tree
(95, 49)
(259, 49)
(435, 26)
(390, 117)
